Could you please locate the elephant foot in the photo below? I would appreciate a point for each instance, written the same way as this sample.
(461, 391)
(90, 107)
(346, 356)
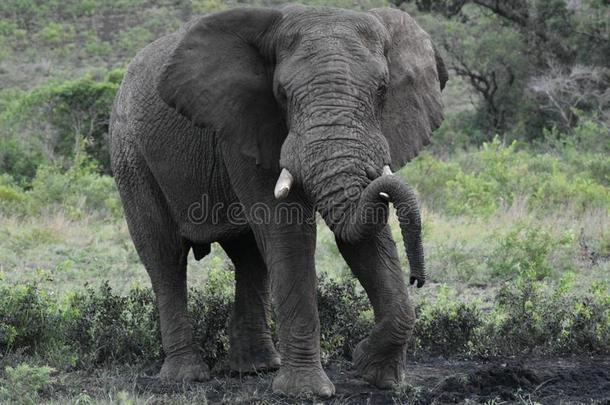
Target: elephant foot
(185, 368)
(299, 381)
(382, 370)
(248, 358)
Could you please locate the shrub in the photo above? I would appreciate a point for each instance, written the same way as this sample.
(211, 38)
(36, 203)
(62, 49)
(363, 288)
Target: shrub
(480, 182)
(55, 119)
(22, 384)
(526, 250)
(210, 309)
(19, 160)
(11, 195)
(78, 190)
(97, 327)
(534, 317)
(28, 318)
(104, 327)
(56, 34)
(345, 317)
(445, 326)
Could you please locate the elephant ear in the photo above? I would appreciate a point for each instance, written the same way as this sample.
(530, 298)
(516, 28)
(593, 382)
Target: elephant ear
(219, 78)
(413, 106)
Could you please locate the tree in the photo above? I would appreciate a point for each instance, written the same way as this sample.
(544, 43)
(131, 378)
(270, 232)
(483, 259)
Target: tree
(506, 49)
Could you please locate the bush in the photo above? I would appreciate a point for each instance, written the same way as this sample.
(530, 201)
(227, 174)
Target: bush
(210, 309)
(56, 34)
(526, 250)
(78, 190)
(29, 319)
(99, 327)
(533, 317)
(494, 176)
(52, 122)
(103, 327)
(445, 326)
(345, 317)
(22, 384)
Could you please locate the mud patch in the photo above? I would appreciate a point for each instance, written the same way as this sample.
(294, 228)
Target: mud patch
(491, 381)
(439, 381)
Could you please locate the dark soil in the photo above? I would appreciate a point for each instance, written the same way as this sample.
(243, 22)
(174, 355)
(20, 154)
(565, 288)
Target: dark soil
(547, 381)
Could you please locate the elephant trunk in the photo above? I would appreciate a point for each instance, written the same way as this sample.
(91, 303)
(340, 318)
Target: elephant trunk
(370, 213)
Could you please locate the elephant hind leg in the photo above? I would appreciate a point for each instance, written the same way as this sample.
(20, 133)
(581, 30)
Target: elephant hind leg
(380, 357)
(251, 343)
(163, 253)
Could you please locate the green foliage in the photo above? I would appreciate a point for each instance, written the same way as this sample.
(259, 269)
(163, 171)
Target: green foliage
(75, 110)
(210, 309)
(526, 251)
(22, 384)
(104, 327)
(481, 182)
(345, 317)
(55, 34)
(133, 39)
(519, 58)
(446, 326)
(78, 190)
(28, 318)
(11, 195)
(531, 316)
(99, 327)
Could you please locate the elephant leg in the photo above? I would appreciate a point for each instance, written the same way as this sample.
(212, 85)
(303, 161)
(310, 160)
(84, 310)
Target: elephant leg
(380, 357)
(289, 255)
(163, 253)
(249, 334)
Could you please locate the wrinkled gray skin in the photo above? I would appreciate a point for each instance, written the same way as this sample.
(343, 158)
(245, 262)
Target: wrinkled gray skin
(213, 112)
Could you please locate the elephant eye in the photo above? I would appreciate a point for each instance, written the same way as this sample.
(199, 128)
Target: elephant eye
(281, 94)
(381, 91)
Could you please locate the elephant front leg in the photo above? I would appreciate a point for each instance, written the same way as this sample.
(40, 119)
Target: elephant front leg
(250, 338)
(290, 259)
(380, 357)
(182, 360)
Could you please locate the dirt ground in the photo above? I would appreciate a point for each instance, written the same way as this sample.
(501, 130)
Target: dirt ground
(437, 381)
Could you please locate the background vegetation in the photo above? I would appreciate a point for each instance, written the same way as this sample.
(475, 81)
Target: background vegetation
(515, 192)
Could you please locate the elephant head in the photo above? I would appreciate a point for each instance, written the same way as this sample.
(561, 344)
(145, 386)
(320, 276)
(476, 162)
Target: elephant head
(330, 100)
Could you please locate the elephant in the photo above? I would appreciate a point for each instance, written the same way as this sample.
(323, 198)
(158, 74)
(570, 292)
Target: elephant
(297, 107)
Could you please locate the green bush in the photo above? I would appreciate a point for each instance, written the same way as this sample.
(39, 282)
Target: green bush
(345, 317)
(534, 317)
(445, 326)
(29, 319)
(78, 191)
(56, 34)
(103, 327)
(480, 182)
(210, 309)
(11, 196)
(54, 120)
(99, 327)
(22, 384)
(526, 250)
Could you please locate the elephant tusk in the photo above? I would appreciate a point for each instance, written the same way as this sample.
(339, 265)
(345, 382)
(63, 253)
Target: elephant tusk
(283, 185)
(386, 170)
(385, 196)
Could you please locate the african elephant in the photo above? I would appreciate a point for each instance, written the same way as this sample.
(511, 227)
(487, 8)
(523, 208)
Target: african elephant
(301, 107)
